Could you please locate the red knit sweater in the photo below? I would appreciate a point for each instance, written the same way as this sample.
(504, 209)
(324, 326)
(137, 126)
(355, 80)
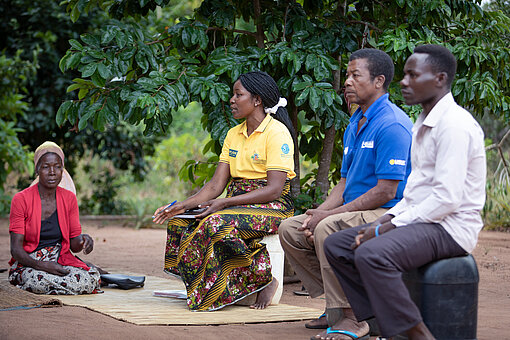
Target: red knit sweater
(25, 219)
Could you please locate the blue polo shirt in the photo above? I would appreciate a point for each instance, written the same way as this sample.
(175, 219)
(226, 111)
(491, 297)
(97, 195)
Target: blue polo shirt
(380, 150)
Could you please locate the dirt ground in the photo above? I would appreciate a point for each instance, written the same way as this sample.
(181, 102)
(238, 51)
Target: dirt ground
(123, 249)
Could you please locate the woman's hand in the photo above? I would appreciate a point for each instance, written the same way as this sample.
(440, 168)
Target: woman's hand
(52, 268)
(83, 242)
(20, 255)
(163, 213)
(212, 207)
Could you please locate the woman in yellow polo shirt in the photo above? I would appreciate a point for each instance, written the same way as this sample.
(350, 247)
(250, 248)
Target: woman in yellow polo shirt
(218, 255)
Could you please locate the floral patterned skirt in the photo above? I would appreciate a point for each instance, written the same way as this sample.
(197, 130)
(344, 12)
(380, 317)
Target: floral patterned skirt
(78, 281)
(220, 258)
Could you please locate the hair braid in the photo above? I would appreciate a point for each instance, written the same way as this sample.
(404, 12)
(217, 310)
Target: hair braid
(261, 84)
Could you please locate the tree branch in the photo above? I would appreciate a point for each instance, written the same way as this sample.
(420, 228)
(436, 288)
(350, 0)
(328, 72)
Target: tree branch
(253, 34)
(260, 31)
(364, 23)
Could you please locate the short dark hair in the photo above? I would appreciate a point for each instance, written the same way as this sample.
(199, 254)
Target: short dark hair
(379, 63)
(440, 59)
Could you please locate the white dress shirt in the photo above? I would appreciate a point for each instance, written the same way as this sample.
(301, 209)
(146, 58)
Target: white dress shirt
(447, 180)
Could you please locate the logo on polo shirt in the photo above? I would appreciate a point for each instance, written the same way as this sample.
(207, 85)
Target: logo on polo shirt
(368, 144)
(397, 162)
(285, 148)
(232, 153)
(256, 159)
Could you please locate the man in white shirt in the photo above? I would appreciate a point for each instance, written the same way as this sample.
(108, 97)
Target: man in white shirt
(439, 216)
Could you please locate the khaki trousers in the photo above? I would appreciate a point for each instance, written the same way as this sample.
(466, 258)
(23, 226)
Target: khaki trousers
(308, 259)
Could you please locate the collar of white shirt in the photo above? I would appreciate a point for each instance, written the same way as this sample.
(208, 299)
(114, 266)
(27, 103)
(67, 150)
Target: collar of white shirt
(437, 112)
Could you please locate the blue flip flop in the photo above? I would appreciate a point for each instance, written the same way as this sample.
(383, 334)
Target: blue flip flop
(351, 334)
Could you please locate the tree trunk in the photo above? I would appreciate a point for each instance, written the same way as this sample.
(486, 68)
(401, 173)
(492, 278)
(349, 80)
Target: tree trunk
(328, 144)
(325, 161)
(295, 185)
(260, 31)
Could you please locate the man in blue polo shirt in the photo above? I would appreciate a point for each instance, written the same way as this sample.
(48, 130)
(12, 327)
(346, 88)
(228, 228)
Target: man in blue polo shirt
(375, 166)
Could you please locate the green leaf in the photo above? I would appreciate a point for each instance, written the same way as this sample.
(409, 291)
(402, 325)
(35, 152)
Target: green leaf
(62, 65)
(186, 37)
(222, 69)
(324, 85)
(82, 93)
(302, 96)
(74, 60)
(73, 87)
(90, 112)
(108, 35)
(301, 85)
(311, 61)
(89, 70)
(120, 38)
(141, 60)
(297, 63)
(61, 113)
(91, 40)
(75, 44)
(314, 99)
(75, 14)
(97, 79)
(213, 96)
(223, 91)
(104, 72)
(123, 66)
(99, 121)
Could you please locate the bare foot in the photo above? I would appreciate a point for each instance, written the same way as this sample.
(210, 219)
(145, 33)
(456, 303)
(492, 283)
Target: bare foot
(265, 296)
(347, 323)
(320, 323)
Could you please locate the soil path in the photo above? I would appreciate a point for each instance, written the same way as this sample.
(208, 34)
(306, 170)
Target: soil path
(123, 249)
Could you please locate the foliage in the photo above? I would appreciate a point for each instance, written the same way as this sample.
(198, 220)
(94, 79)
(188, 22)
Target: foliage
(130, 74)
(43, 27)
(496, 212)
(160, 185)
(14, 74)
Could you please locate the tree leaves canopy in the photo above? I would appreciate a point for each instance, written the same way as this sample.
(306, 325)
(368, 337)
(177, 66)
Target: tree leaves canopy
(130, 74)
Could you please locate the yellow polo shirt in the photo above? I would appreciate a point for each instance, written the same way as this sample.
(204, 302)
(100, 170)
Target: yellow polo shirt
(269, 147)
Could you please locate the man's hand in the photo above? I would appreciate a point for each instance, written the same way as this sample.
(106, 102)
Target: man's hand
(316, 216)
(367, 233)
(311, 221)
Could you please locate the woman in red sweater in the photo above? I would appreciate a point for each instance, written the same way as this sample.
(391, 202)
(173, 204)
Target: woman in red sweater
(45, 228)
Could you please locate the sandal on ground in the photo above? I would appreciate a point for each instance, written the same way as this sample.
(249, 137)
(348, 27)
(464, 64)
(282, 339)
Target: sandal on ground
(316, 323)
(351, 334)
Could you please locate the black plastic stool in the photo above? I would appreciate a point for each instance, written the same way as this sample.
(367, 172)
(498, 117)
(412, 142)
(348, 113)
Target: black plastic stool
(446, 292)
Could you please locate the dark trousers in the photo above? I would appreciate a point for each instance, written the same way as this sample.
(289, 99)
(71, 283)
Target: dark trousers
(371, 275)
